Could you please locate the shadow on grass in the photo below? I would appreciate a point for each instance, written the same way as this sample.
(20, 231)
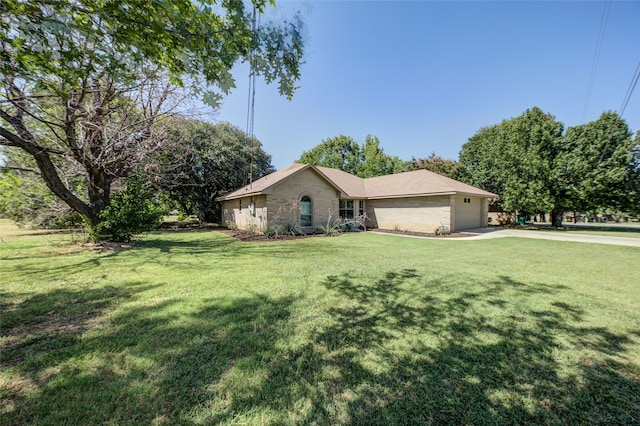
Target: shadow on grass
(400, 348)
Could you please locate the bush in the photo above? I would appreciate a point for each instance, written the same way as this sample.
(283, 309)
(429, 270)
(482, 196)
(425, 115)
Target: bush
(290, 229)
(442, 230)
(271, 232)
(333, 227)
(131, 212)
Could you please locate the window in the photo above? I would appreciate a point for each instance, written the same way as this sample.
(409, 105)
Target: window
(361, 208)
(467, 200)
(305, 211)
(240, 204)
(346, 209)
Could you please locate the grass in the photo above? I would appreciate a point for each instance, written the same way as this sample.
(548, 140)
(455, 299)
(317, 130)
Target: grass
(197, 328)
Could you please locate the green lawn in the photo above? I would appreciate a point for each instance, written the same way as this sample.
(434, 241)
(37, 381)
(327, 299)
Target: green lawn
(197, 328)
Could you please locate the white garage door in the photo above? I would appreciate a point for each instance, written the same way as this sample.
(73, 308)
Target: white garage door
(468, 213)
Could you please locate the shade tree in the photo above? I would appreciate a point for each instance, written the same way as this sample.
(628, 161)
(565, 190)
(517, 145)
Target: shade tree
(204, 161)
(344, 153)
(536, 167)
(87, 85)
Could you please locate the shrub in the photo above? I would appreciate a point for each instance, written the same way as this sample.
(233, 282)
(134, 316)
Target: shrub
(442, 230)
(340, 225)
(253, 229)
(131, 212)
(332, 228)
(290, 229)
(270, 232)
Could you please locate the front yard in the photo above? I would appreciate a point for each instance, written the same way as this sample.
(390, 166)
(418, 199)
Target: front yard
(198, 328)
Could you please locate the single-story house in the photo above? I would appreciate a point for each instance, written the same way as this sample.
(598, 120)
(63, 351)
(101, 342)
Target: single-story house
(310, 196)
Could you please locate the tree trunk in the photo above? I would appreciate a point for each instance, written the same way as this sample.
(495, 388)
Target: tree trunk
(556, 218)
(99, 192)
(50, 174)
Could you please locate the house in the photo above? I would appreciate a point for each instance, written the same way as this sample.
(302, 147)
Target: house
(310, 196)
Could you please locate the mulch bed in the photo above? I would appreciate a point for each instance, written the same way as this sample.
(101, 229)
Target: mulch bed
(247, 236)
(422, 234)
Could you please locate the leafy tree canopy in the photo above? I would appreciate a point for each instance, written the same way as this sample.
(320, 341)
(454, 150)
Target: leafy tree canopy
(437, 164)
(535, 167)
(597, 166)
(344, 153)
(76, 40)
(214, 159)
(88, 84)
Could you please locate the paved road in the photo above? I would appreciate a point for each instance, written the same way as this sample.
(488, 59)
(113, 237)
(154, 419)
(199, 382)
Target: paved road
(484, 233)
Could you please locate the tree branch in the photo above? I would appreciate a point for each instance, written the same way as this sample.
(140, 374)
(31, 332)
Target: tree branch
(20, 169)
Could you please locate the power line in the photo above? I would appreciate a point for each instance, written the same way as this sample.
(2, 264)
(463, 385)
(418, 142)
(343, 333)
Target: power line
(252, 76)
(596, 56)
(252, 90)
(632, 85)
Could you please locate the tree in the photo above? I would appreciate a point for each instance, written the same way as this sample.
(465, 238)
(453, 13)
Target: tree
(437, 164)
(536, 168)
(344, 153)
(596, 167)
(87, 83)
(513, 159)
(25, 198)
(132, 211)
(216, 159)
(340, 152)
(374, 162)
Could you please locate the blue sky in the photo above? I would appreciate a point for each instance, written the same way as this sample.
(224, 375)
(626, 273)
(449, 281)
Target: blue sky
(425, 76)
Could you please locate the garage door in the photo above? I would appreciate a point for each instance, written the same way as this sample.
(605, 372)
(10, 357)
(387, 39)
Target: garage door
(468, 213)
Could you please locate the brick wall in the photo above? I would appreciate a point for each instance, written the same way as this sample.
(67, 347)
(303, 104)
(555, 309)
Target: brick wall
(420, 214)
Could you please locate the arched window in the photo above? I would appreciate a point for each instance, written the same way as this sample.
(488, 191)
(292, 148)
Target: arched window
(305, 211)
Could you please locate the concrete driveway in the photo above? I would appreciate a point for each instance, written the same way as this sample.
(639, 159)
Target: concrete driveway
(490, 232)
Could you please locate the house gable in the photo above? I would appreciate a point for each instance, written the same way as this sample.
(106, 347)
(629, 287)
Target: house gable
(283, 202)
(267, 184)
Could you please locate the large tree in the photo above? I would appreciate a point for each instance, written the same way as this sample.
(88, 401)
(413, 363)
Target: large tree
(536, 168)
(596, 167)
(214, 159)
(86, 82)
(344, 153)
(513, 159)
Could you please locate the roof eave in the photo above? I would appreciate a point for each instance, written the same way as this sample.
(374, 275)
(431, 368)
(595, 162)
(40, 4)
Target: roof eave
(430, 194)
(236, 196)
